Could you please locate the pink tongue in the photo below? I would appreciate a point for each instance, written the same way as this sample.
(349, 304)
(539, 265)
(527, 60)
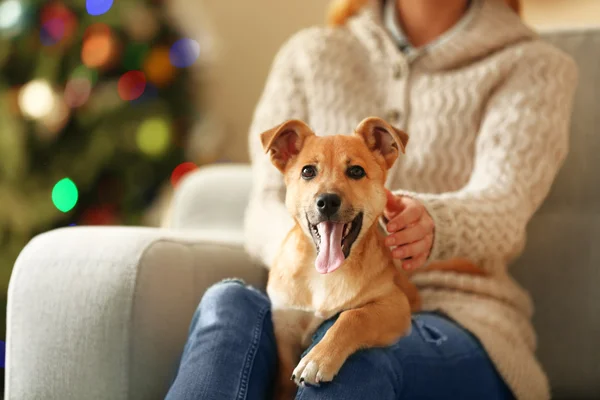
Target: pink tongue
(330, 255)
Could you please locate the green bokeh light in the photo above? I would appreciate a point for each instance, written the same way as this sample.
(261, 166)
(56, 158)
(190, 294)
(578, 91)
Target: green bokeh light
(65, 195)
(84, 72)
(135, 54)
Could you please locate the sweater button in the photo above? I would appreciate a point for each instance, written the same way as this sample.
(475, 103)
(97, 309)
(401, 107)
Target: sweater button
(397, 71)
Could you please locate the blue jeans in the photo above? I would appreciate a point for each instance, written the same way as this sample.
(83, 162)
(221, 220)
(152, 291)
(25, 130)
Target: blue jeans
(231, 355)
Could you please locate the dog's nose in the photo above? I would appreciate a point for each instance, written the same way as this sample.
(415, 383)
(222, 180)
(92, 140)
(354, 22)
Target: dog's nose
(328, 204)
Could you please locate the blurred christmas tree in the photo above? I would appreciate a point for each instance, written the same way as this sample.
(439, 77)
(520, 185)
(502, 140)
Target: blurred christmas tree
(96, 103)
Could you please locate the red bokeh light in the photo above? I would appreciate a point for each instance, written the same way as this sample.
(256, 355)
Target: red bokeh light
(100, 215)
(180, 171)
(58, 22)
(131, 85)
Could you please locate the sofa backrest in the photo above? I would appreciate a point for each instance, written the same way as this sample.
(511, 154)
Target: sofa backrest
(561, 263)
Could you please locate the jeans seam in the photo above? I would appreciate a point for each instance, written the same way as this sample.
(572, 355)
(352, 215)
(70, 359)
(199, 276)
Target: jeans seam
(251, 355)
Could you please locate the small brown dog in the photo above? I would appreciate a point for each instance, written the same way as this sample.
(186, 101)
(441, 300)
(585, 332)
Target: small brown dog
(334, 261)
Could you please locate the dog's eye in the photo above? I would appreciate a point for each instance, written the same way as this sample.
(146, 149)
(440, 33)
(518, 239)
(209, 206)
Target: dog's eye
(356, 172)
(309, 172)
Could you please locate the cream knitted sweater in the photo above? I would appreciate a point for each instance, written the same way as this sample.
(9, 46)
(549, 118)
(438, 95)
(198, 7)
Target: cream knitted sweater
(487, 108)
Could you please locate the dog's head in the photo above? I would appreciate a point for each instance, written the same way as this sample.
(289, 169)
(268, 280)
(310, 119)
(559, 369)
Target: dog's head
(335, 184)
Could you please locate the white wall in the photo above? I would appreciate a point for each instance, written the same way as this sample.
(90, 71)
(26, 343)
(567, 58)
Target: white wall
(551, 13)
(248, 34)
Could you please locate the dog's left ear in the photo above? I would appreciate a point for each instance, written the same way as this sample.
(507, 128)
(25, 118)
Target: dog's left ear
(383, 138)
(285, 141)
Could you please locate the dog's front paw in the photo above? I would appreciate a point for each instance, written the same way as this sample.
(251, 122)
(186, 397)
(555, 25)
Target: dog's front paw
(316, 367)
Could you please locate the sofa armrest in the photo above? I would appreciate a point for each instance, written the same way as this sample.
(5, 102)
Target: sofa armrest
(214, 198)
(103, 313)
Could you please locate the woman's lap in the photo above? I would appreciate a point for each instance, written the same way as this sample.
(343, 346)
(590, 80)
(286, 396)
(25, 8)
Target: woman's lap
(231, 354)
(437, 360)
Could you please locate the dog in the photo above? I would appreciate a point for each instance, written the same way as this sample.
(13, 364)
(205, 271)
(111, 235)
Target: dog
(334, 262)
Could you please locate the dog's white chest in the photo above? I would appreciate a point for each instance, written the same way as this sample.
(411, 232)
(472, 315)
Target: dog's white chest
(330, 296)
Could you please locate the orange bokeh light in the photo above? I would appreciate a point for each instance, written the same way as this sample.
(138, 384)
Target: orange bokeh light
(99, 46)
(158, 68)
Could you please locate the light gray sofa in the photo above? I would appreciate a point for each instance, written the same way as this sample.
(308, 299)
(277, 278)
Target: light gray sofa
(102, 313)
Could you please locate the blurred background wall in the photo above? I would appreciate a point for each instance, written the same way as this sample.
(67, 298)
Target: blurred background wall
(250, 32)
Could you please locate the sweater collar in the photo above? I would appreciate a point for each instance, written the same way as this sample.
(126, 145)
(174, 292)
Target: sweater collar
(487, 26)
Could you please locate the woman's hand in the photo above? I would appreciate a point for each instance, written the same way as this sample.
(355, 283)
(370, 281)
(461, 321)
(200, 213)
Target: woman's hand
(410, 228)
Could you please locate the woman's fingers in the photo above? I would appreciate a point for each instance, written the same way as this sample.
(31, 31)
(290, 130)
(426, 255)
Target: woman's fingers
(406, 217)
(411, 230)
(414, 249)
(393, 205)
(414, 263)
(410, 234)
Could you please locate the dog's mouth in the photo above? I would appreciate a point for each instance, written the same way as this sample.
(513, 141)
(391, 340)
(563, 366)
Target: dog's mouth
(334, 241)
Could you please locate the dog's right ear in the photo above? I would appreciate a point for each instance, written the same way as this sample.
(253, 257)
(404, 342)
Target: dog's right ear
(285, 141)
(381, 137)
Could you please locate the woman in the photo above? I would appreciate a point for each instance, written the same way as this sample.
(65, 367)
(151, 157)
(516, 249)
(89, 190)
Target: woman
(487, 106)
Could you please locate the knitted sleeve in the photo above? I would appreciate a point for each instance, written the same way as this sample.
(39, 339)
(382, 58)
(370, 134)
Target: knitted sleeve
(267, 220)
(522, 143)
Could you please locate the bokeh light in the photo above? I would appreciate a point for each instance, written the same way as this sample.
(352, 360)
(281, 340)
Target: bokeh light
(84, 72)
(65, 195)
(98, 7)
(36, 99)
(58, 24)
(180, 171)
(140, 21)
(11, 14)
(184, 52)
(105, 98)
(134, 55)
(52, 31)
(131, 85)
(55, 121)
(77, 92)
(99, 46)
(158, 68)
(154, 136)
(99, 215)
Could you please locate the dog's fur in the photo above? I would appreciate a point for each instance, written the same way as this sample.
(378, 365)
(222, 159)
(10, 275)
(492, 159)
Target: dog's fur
(374, 297)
